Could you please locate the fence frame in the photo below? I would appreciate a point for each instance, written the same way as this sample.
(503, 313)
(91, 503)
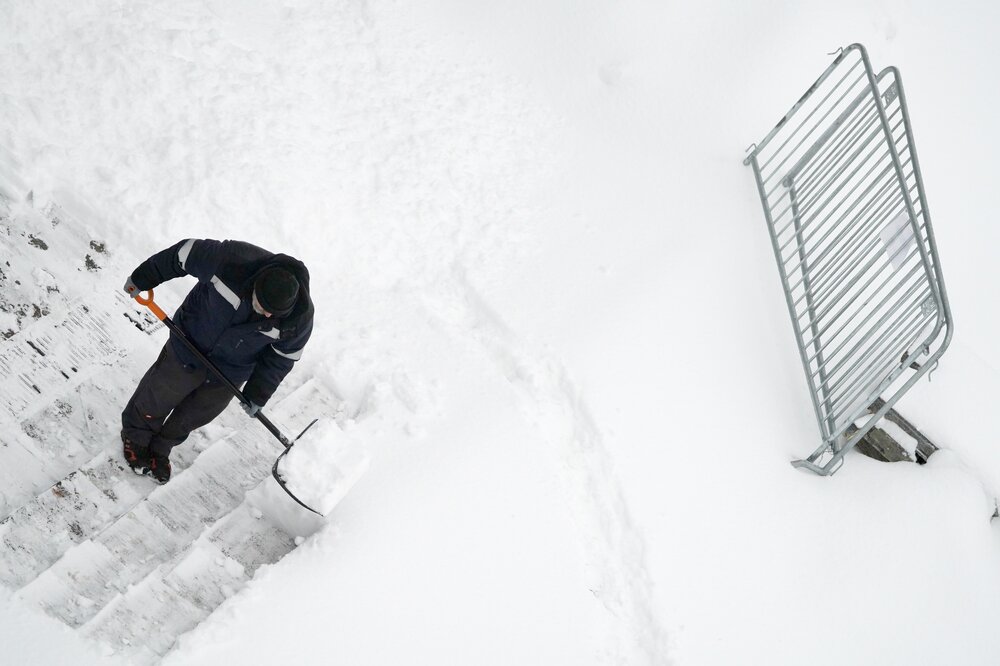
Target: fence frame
(914, 330)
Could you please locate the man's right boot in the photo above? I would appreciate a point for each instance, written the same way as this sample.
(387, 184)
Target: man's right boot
(136, 456)
(159, 467)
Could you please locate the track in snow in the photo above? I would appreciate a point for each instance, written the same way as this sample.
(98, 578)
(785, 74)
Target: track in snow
(613, 547)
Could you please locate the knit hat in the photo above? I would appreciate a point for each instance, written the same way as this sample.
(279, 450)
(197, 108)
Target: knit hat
(276, 291)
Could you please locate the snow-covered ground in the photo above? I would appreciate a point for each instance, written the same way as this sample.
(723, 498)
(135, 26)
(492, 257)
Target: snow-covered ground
(548, 305)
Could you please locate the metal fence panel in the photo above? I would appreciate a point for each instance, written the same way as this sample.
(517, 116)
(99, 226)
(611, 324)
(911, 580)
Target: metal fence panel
(844, 202)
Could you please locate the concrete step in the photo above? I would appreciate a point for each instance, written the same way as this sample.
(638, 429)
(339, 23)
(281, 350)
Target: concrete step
(175, 598)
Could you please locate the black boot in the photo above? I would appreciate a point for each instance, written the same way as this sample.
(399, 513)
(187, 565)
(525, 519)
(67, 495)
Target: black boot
(159, 467)
(136, 456)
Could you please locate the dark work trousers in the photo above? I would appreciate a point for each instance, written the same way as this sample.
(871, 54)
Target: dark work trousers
(171, 401)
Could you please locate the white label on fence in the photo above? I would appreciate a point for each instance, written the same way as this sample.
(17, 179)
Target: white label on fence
(898, 239)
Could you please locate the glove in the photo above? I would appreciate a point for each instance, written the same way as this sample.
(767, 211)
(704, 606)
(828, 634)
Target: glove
(251, 408)
(131, 289)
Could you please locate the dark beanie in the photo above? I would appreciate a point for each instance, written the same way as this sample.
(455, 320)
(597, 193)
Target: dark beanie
(276, 291)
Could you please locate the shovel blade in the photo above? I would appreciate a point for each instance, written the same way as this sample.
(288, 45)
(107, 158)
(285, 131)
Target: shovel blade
(321, 467)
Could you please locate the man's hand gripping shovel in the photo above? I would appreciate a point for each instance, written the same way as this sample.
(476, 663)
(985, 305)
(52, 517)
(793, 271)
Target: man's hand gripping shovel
(162, 316)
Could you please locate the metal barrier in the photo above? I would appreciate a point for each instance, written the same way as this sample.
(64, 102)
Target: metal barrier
(845, 207)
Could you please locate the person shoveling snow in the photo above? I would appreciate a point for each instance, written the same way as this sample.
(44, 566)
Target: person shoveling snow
(250, 316)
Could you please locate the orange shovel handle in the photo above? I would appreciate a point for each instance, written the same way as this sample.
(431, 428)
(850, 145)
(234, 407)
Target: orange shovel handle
(153, 307)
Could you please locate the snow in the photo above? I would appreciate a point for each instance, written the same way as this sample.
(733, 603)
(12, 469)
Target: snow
(323, 465)
(546, 298)
(31, 638)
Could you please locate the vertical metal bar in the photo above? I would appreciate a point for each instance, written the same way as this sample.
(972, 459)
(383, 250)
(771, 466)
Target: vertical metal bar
(809, 305)
(894, 154)
(784, 283)
(942, 293)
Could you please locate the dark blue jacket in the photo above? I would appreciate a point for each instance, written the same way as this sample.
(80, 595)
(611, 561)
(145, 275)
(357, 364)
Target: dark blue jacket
(217, 315)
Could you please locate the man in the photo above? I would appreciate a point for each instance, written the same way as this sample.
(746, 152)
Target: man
(250, 314)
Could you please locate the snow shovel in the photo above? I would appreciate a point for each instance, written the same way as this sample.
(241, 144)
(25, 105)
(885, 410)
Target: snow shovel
(287, 443)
